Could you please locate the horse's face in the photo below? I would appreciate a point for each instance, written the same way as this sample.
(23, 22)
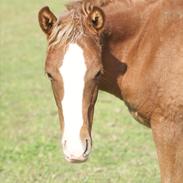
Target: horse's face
(74, 66)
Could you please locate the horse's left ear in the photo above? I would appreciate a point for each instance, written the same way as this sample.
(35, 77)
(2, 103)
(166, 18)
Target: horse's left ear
(96, 19)
(46, 20)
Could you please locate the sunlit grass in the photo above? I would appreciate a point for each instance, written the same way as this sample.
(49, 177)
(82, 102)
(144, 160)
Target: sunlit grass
(30, 152)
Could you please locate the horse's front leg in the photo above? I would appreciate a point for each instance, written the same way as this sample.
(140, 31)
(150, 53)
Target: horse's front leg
(168, 137)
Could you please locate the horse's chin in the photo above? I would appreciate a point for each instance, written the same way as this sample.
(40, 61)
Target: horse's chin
(76, 160)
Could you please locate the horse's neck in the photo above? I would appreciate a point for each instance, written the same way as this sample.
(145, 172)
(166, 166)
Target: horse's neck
(124, 25)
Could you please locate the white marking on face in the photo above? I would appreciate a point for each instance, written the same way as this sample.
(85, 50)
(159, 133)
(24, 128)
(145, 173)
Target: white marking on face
(73, 72)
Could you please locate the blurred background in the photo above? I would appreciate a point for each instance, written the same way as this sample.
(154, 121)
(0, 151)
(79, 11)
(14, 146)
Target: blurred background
(30, 150)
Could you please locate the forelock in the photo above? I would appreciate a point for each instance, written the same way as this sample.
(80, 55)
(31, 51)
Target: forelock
(68, 28)
(71, 26)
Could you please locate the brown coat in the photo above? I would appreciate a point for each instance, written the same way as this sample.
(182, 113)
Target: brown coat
(139, 55)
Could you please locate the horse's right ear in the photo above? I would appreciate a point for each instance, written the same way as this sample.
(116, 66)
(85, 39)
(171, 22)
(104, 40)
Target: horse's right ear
(46, 20)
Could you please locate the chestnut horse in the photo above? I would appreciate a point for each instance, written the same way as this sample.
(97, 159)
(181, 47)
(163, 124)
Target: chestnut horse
(132, 49)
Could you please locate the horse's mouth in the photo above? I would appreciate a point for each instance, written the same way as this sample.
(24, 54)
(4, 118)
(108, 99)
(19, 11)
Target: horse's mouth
(81, 159)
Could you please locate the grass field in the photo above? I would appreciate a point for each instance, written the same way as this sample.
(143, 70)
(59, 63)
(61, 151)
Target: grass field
(30, 151)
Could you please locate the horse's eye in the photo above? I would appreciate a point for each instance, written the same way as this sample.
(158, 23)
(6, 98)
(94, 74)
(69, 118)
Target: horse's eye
(49, 76)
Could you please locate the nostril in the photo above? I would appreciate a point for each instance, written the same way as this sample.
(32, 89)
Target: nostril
(86, 148)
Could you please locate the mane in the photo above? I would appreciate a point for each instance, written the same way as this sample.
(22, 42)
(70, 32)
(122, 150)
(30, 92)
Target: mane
(94, 2)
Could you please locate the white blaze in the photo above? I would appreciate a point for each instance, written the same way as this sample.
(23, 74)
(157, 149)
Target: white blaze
(73, 72)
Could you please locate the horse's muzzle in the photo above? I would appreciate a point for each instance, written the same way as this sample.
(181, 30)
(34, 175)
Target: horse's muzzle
(77, 153)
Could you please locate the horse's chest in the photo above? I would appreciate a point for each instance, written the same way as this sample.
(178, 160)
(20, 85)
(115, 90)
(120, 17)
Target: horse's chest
(140, 99)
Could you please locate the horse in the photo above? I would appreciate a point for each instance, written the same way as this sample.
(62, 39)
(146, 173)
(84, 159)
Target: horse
(132, 49)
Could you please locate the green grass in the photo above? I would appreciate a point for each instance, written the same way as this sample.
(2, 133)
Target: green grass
(30, 152)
